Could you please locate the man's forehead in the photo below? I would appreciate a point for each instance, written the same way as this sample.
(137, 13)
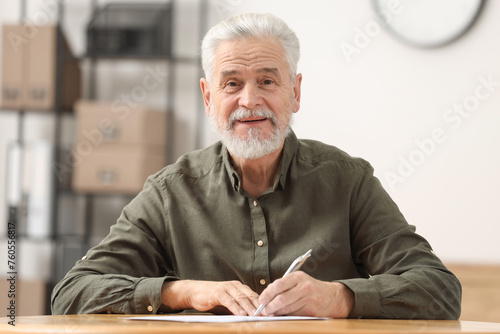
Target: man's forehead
(258, 55)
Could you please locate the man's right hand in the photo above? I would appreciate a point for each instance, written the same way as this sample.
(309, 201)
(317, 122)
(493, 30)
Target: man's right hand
(231, 297)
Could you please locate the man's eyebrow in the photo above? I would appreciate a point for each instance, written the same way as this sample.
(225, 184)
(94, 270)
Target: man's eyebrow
(271, 70)
(224, 74)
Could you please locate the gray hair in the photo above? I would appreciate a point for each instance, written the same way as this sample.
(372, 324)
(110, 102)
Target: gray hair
(250, 25)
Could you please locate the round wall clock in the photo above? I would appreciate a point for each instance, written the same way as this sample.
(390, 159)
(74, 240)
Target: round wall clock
(427, 23)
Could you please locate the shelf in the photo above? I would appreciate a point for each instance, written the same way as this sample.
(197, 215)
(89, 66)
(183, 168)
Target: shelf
(69, 236)
(194, 60)
(71, 192)
(38, 111)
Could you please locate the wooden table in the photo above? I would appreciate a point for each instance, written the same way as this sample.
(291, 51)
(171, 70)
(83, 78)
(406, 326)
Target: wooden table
(101, 323)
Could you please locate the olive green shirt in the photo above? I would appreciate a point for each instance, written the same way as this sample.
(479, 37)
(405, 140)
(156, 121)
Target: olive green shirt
(193, 220)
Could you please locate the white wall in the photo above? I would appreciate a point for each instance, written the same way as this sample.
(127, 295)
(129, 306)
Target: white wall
(391, 95)
(376, 106)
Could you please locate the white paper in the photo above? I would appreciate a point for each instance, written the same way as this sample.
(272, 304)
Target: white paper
(220, 318)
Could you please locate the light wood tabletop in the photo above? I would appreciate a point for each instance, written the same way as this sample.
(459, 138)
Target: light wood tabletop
(102, 323)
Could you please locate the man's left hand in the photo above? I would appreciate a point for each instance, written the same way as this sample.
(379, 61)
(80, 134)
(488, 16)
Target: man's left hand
(300, 294)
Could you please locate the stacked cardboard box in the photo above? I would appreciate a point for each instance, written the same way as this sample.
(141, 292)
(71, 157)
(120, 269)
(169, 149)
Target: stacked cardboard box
(117, 148)
(29, 68)
(30, 297)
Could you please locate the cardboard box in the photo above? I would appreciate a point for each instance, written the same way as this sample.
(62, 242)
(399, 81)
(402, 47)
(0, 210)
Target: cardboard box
(30, 296)
(13, 72)
(41, 86)
(102, 123)
(117, 168)
(117, 147)
(30, 58)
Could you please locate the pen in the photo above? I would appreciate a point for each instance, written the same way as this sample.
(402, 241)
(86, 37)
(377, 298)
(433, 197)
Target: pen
(293, 267)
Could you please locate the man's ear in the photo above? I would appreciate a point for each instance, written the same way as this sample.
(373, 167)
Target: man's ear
(205, 91)
(296, 92)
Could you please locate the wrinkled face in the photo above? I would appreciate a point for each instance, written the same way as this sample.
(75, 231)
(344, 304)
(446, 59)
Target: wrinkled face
(251, 98)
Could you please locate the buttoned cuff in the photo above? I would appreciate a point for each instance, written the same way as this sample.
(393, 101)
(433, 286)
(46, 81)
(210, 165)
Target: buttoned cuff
(147, 294)
(366, 298)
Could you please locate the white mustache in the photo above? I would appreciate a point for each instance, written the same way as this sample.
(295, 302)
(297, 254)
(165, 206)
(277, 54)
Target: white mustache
(242, 113)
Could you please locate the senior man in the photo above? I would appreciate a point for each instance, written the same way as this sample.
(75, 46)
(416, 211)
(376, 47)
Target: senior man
(216, 230)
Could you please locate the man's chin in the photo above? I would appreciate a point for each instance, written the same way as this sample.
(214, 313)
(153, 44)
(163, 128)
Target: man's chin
(252, 144)
(247, 138)
(252, 149)
(252, 134)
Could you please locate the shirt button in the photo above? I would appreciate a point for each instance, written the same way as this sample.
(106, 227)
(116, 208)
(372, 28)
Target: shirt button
(255, 203)
(260, 243)
(150, 308)
(262, 282)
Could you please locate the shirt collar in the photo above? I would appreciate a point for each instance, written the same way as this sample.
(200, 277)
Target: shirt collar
(289, 150)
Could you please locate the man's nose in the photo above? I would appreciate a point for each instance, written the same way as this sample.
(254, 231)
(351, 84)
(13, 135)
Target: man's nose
(250, 97)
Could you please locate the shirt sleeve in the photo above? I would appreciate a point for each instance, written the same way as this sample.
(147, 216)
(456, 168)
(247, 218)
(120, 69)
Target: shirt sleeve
(405, 278)
(126, 271)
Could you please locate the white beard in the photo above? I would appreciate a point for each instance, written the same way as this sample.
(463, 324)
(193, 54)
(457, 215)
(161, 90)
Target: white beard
(252, 147)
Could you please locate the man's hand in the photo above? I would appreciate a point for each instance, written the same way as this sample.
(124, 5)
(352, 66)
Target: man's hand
(300, 294)
(217, 297)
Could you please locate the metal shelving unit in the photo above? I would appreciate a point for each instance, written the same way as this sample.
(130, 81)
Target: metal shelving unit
(57, 239)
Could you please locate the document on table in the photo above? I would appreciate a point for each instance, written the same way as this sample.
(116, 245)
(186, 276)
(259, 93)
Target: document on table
(219, 318)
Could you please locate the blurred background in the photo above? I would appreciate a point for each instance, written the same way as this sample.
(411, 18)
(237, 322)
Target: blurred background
(96, 95)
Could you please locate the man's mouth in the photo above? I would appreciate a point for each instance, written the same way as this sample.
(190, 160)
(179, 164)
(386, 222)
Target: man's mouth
(252, 119)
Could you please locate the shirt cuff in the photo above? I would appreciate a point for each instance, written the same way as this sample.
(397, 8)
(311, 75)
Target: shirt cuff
(147, 294)
(366, 298)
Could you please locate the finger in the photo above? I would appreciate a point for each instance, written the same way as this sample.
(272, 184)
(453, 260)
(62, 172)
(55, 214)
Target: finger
(246, 303)
(248, 300)
(251, 295)
(232, 305)
(254, 298)
(240, 299)
(282, 303)
(278, 287)
(298, 307)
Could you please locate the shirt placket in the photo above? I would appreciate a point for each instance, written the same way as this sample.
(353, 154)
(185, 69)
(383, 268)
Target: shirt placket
(261, 246)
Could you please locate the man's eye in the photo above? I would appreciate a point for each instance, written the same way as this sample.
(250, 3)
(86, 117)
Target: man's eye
(231, 86)
(267, 82)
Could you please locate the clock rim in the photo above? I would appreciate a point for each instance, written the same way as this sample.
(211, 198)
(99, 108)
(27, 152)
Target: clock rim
(450, 39)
